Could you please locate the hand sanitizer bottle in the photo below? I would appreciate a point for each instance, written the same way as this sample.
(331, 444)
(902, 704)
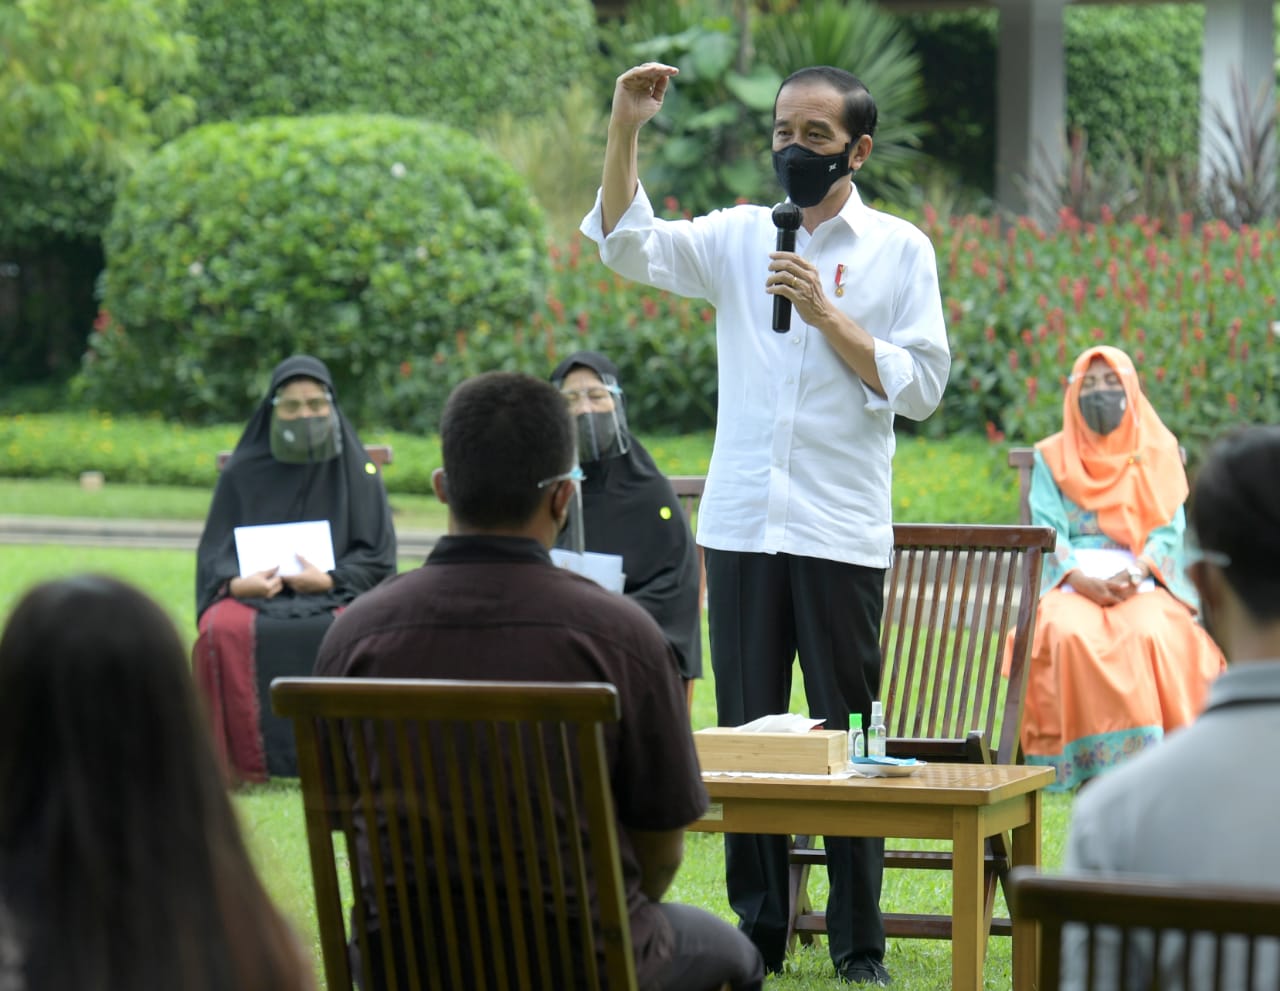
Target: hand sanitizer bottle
(876, 733)
(857, 743)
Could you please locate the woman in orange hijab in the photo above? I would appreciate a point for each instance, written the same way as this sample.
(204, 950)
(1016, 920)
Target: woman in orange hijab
(1118, 658)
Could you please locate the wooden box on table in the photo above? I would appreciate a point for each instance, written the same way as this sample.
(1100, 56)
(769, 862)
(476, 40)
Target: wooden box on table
(724, 748)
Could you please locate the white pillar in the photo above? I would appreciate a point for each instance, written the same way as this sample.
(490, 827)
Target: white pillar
(1239, 46)
(1031, 100)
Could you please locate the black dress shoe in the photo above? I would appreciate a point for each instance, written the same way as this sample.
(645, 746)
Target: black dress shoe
(865, 971)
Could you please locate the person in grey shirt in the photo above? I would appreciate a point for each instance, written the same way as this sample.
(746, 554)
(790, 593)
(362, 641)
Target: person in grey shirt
(1202, 807)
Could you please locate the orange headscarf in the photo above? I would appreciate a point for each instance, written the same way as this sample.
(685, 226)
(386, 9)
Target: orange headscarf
(1132, 477)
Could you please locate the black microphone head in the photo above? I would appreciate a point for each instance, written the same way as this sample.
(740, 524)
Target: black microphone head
(786, 217)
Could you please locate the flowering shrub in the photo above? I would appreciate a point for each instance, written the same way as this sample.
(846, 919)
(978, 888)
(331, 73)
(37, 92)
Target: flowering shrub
(1195, 308)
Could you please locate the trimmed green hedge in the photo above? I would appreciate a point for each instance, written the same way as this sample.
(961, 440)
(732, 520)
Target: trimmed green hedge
(957, 480)
(369, 241)
(455, 61)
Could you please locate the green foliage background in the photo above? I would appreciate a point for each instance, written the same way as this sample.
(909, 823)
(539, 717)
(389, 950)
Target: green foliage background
(1133, 83)
(371, 241)
(455, 61)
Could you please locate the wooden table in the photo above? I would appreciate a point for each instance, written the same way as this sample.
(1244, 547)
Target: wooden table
(965, 803)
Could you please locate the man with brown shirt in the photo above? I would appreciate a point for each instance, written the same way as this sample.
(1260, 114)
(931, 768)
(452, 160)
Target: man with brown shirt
(488, 604)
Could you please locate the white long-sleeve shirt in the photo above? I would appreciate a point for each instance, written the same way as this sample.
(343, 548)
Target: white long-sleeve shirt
(802, 457)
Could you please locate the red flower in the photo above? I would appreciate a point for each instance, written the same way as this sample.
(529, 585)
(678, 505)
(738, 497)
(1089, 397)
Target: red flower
(649, 306)
(582, 321)
(406, 369)
(1033, 387)
(1233, 402)
(990, 334)
(1160, 373)
(1013, 361)
(993, 435)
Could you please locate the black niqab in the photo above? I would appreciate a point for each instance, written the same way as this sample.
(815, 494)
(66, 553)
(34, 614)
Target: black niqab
(255, 488)
(630, 509)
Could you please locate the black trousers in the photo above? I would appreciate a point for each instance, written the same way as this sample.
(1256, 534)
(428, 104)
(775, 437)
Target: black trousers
(763, 609)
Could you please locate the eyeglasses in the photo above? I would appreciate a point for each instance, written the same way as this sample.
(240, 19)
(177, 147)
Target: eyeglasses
(596, 394)
(291, 407)
(576, 475)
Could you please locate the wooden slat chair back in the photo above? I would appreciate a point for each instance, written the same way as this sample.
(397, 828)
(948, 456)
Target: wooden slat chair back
(497, 826)
(379, 454)
(953, 596)
(1023, 459)
(689, 491)
(1135, 932)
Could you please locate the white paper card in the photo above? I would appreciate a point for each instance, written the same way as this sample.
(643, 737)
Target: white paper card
(781, 722)
(603, 569)
(1106, 562)
(277, 545)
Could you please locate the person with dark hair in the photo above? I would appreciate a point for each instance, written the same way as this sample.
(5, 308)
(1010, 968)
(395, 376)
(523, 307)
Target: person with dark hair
(489, 605)
(630, 509)
(1117, 657)
(298, 459)
(796, 520)
(1202, 806)
(121, 861)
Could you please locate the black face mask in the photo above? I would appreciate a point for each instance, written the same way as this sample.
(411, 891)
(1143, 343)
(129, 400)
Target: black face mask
(1103, 409)
(597, 436)
(306, 440)
(806, 176)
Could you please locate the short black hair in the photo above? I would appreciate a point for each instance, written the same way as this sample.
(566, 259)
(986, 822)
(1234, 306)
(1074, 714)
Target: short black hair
(860, 115)
(500, 435)
(1235, 511)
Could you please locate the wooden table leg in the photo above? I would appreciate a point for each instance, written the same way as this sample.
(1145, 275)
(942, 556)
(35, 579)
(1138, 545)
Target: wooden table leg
(968, 938)
(1026, 933)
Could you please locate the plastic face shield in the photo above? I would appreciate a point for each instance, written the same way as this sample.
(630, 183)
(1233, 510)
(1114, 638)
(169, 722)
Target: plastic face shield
(600, 419)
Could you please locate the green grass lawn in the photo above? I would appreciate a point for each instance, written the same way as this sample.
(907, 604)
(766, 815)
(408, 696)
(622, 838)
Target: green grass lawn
(272, 814)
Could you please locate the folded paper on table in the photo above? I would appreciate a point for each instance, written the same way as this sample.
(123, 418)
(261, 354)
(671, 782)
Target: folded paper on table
(1106, 562)
(279, 545)
(603, 569)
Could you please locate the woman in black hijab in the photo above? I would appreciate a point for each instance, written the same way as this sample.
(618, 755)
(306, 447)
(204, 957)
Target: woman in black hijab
(630, 509)
(299, 459)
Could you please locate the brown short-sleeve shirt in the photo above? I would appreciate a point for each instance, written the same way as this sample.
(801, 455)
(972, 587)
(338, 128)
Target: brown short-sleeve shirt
(497, 608)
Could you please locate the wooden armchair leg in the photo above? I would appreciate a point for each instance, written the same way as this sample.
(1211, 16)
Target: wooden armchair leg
(798, 894)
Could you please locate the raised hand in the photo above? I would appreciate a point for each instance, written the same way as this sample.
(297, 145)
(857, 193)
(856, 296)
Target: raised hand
(639, 92)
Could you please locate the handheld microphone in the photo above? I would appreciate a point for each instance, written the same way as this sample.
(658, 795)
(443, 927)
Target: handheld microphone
(786, 217)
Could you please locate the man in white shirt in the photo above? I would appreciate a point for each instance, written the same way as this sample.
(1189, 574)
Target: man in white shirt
(1203, 805)
(796, 517)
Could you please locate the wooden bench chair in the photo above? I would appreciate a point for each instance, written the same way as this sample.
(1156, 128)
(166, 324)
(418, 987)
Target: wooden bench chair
(953, 595)
(379, 454)
(1135, 932)
(407, 760)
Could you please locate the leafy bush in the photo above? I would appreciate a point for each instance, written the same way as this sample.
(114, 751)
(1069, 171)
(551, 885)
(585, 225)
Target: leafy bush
(372, 242)
(455, 61)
